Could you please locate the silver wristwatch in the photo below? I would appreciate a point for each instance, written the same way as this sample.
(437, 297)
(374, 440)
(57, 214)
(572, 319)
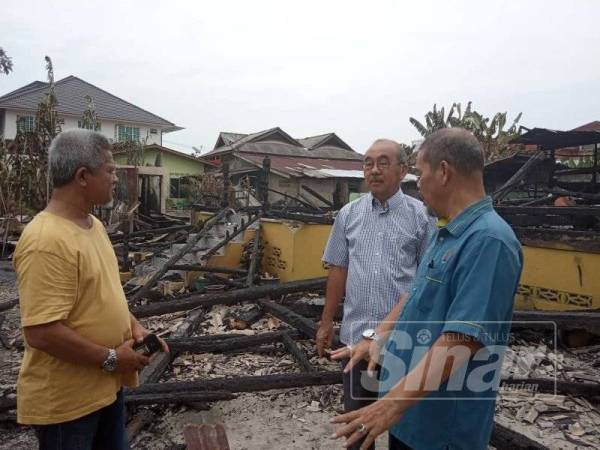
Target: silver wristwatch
(110, 363)
(370, 334)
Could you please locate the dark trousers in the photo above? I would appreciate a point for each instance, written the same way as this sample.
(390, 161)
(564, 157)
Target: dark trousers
(101, 430)
(395, 444)
(356, 394)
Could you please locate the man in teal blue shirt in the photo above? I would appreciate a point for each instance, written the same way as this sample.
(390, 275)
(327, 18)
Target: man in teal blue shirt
(443, 347)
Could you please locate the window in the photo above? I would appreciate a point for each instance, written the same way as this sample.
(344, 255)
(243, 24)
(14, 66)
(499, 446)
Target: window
(25, 124)
(174, 187)
(153, 131)
(80, 124)
(179, 187)
(126, 133)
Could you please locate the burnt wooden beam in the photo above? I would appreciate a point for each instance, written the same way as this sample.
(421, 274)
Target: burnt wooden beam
(230, 237)
(519, 175)
(201, 268)
(142, 418)
(230, 297)
(254, 256)
(317, 195)
(153, 371)
(506, 438)
(244, 384)
(8, 304)
(589, 320)
(301, 323)
(223, 280)
(549, 210)
(311, 310)
(120, 237)
(196, 345)
(134, 398)
(296, 352)
(245, 319)
(179, 254)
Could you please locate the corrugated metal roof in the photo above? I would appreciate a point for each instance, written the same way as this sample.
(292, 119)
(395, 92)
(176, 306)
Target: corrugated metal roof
(275, 141)
(335, 152)
(292, 166)
(312, 141)
(227, 138)
(71, 92)
(170, 151)
(325, 140)
(592, 126)
(338, 173)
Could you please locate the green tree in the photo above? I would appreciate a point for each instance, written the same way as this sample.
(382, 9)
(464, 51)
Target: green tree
(491, 133)
(6, 64)
(89, 120)
(24, 166)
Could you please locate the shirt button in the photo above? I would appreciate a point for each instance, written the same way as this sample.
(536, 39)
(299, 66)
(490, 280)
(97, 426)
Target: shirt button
(376, 272)
(376, 254)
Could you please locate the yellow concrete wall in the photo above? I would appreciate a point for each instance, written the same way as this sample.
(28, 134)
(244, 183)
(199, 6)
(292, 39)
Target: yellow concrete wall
(559, 280)
(552, 279)
(293, 251)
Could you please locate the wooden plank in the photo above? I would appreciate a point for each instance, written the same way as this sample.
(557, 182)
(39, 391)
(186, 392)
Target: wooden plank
(169, 398)
(254, 258)
(506, 438)
(178, 255)
(205, 437)
(296, 353)
(301, 323)
(196, 345)
(244, 384)
(229, 297)
(202, 268)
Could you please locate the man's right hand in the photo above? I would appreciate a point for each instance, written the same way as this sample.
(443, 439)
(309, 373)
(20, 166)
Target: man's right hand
(365, 349)
(128, 360)
(324, 337)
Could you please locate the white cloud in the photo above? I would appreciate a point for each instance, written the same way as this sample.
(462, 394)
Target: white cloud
(358, 69)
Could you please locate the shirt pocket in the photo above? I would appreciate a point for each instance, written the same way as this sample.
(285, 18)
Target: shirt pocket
(433, 285)
(402, 248)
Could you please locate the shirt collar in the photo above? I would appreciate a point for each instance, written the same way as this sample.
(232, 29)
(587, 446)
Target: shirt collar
(395, 201)
(461, 222)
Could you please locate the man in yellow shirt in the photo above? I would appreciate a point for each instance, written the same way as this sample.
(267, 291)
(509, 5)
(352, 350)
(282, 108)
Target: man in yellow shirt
(78, 330)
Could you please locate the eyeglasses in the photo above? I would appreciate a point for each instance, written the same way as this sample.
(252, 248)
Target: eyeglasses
(383, 164)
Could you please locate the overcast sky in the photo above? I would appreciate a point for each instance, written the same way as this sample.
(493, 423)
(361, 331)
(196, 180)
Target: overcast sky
(359, 69)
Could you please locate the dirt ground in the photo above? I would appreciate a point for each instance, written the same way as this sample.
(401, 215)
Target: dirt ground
(299, 418)
(295, 419)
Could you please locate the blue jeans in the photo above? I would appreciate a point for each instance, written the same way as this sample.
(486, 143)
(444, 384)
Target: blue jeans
(101, 430)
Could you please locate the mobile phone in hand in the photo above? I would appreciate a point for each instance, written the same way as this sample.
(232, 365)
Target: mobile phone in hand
(148, 346)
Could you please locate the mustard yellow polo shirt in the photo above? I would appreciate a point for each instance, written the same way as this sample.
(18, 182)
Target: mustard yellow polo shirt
(68, 273)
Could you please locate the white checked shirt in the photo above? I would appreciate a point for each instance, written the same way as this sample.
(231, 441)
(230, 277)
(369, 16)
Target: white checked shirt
(381, 245)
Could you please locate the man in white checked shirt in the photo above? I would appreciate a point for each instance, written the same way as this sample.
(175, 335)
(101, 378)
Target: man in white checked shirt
(373, 251)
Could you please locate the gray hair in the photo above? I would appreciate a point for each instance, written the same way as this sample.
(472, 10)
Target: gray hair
(73, 149)
(400, 152)
(457, 146)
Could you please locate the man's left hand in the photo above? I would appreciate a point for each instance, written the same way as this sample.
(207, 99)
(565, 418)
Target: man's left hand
(139, 332)
(368, 422)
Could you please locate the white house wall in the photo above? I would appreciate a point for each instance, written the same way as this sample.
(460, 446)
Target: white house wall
(70, 122)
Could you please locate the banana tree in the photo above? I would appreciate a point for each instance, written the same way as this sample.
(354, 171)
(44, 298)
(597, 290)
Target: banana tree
(491, 133)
